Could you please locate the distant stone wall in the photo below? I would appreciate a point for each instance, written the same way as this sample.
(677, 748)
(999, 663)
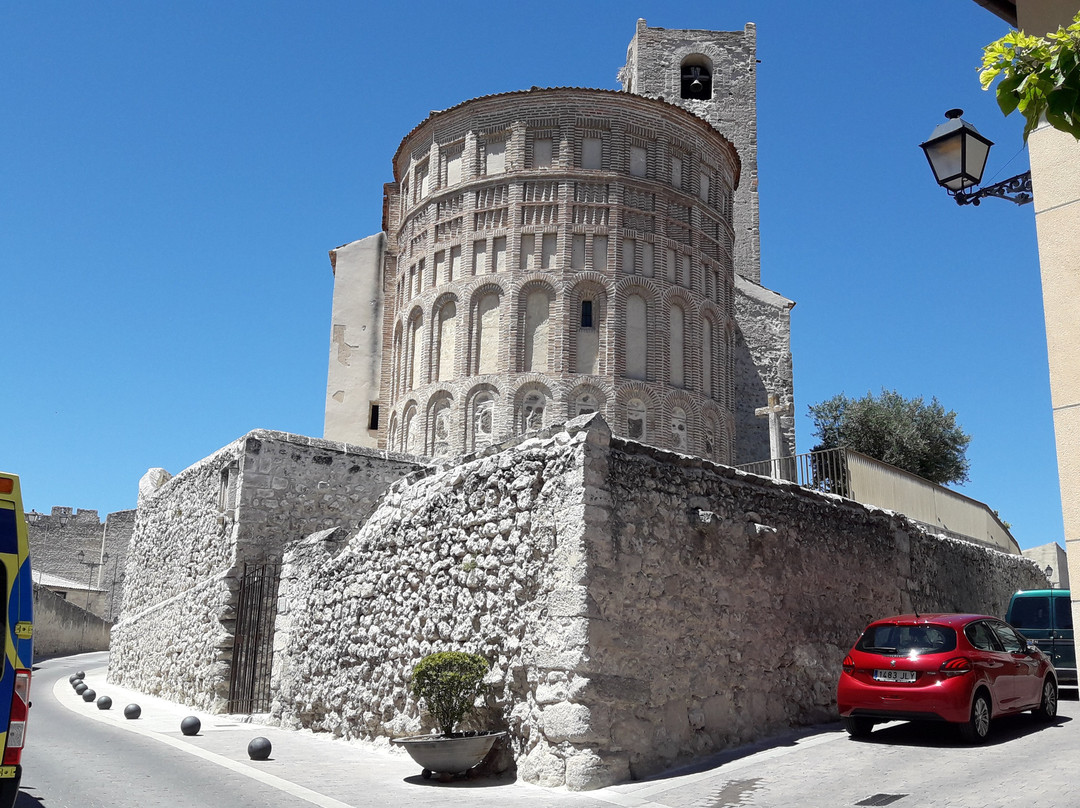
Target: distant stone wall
(623, 595)
(63, 628)
(245, 503)
(57, 538)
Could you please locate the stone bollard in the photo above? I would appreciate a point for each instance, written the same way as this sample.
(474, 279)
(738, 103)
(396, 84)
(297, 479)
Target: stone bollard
(259, 748)
(190, 725)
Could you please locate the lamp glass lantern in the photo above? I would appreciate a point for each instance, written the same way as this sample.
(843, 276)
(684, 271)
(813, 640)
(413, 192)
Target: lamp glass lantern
(956, 152)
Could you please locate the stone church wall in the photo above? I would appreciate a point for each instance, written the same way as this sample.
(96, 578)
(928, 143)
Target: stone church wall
(762, 366)
(640, 608)
(246, 502)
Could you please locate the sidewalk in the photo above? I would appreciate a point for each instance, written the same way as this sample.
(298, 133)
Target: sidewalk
(342, 774)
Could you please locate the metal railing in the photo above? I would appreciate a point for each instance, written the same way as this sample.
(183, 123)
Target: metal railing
(856, 476)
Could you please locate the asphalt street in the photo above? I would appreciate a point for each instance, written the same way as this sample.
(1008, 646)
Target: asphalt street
(904, 765)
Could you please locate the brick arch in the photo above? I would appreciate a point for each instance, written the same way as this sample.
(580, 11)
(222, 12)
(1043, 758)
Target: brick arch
(435, 403)
(594, 287)
(533, 384)
(476, 393)
(528, 353)
(477, 335)
(600, 392)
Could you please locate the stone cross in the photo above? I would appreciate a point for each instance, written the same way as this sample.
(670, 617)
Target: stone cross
(774, 410)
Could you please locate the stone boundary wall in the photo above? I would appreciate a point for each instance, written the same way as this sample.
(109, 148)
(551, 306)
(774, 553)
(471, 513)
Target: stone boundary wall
(640, 608)
(62, 628)
(57, 538)
(485, 556)
(246, 502)
(725, 602)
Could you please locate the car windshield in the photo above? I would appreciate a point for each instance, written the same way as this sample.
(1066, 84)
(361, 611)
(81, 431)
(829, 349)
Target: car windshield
(904, 640)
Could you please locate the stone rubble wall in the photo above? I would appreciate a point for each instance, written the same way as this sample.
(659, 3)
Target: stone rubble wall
(486, 557)
(725, 602)
(246, 502)
(640, 608)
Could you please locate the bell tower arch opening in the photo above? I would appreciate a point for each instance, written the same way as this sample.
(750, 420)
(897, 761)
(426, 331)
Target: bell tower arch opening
(695, 77)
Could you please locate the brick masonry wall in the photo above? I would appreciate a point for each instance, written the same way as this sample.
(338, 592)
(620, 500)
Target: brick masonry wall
(640, 608)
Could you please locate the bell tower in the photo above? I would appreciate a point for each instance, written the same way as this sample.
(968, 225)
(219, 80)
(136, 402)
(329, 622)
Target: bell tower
(714, 75)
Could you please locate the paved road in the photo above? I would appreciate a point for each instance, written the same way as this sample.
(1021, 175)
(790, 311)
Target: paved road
(903, 765)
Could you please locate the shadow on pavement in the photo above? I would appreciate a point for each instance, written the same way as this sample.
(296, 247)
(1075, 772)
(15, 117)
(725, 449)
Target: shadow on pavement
(788, 739)
(932, 734)
(25, 800)
(461, 781)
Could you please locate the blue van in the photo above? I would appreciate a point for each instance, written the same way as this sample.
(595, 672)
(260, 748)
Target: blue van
(1044, 617)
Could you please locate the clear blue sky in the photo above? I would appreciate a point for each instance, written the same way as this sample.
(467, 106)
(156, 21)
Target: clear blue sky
(172, 176)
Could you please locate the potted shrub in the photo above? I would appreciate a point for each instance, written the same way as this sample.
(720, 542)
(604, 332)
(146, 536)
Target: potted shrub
(448, 683)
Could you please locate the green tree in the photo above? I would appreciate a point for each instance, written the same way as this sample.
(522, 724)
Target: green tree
(1040, 76)
(910, 434)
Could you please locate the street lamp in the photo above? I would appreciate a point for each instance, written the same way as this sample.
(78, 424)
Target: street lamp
(957, 155)
(90, 576)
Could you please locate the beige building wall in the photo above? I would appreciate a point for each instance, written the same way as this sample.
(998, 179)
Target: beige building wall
(352, 387)
(1055, 179)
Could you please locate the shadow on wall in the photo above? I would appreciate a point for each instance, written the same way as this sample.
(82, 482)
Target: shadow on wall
(61, 627)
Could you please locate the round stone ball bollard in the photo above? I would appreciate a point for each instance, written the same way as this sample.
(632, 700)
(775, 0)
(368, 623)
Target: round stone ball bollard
(259, 749)
(132, 711)
(80, 674)
(104, 703)
(190, 725)
(88, 695)
(81, 687)
(76, 683)
(73, 679)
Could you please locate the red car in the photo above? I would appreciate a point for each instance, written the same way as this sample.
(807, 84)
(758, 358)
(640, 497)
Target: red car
(962, 668)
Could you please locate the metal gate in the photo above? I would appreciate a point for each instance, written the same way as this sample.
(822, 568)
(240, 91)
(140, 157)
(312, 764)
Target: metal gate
(253, 644)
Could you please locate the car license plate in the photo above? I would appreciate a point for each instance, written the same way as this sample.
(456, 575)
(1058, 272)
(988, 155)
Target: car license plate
(894, 676)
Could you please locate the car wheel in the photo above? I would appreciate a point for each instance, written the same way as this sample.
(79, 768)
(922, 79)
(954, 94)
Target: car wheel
(1047, 709)
(976, 728)
(858, 727)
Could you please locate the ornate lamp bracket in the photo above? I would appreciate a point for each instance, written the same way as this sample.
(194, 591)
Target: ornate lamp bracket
(1015, 189)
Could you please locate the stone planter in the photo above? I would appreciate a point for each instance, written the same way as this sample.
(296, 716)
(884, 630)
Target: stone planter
(450, 755)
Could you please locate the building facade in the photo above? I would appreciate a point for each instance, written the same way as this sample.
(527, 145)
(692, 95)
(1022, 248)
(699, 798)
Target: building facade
(555, 252)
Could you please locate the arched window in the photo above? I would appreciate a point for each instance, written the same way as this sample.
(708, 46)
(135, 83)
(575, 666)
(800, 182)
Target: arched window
(636, 419)
(440, 429)
(416, 341)
(483, 420)
(710, 439)
(696, 78)
(411, 437)
(707, 357)
(537, 315)
(676, 335)
(678, 429)
(532, 411)
(588, 335)
(487, 334)
(637, 339)
(585, 403)
(447, 348)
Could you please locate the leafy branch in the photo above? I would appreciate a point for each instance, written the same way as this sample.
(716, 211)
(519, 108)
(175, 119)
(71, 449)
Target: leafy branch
(1040, 77)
